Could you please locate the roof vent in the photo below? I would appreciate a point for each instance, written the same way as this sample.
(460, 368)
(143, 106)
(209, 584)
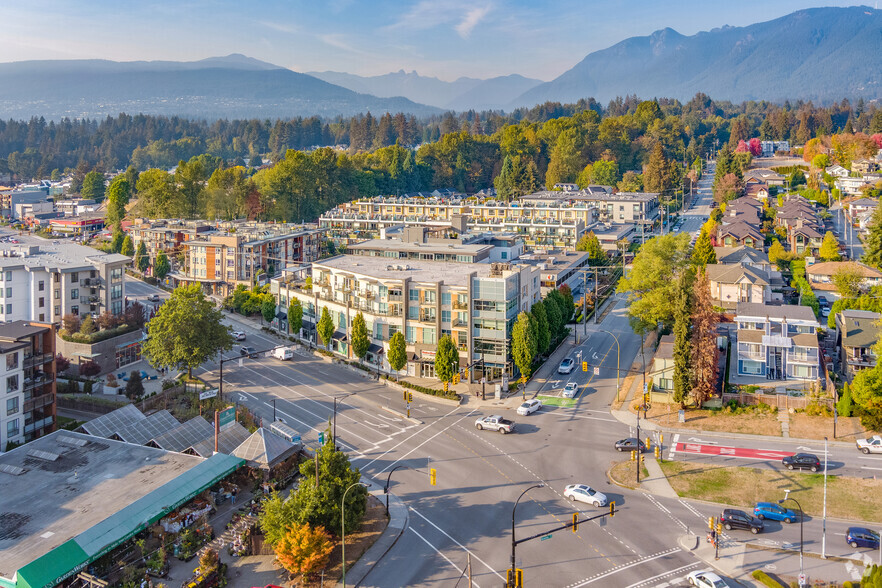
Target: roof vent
(44, 455)
(72, 441)
(11, 469)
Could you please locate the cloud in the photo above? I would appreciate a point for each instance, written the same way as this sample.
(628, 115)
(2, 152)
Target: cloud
(278, 26)
(462, 15)
(471, 20)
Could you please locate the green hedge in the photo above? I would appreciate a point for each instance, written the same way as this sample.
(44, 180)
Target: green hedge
(430, 391)
(766, 580)
(97, 336)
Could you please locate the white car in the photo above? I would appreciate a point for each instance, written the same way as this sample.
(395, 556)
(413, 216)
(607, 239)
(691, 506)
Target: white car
(566, 366)
(706, 579)
(871, 445)
(570, 390)
(238, 335)
(283, 353)
(584, 493)
(529, 407)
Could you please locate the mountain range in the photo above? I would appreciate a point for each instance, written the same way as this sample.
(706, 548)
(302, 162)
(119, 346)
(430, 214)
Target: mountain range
(460, 94)
(820, 54)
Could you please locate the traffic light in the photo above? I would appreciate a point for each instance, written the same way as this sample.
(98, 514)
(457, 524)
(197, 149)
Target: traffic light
(648, 443)
(657, 452)
(710, 523)
(514, 578)
(465, 373)
(633, 456)
(612, 508)
(405, 395)
(719, 528)
(446, 386)
(455, 379)
(646, 398)
(575, 521)
(584, 366)
(410, 396)
(432, 476)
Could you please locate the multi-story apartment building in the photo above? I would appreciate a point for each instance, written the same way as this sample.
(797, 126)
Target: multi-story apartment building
(475, 303)
(221, 260)
(778, 342)
(42, 280)
(166, 235)
(27, 362)
(542, 225)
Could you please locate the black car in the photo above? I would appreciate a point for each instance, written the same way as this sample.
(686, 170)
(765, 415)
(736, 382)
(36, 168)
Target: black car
(738, 519)
(630, 444)
(802, 461)
(249, 351)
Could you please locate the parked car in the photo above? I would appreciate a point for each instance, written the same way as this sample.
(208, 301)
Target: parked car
(802, 461)
(862, 537)
(153, 298)
(738, 519)
(871, 445)
(238, 335)
(706, 579)
(630, 444)
(247, 351)
(570, 390)
(283, 353)
(774, 512)
(495, 423)
(584, 493)
(566, 366)
(529, 407)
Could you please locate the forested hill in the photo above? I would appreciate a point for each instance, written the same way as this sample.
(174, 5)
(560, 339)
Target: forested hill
(819, 54)
(222, 87)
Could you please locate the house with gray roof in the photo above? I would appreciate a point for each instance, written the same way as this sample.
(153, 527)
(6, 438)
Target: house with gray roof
(740, 233)
(858, 332)
(731, 284)
(755, 258)
(778, 342)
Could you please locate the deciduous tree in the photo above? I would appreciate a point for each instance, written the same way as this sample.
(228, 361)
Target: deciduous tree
(325, 326)
(134, 387)
(360, 340)
(523, 344)
(446, 359)
(397, 355)
(161, 266)
(848, 280)
(591, 244)
(295, 316)
(830, 248)
(543, 329)
(186, 331)
(268, 308)
(142, 261)
(304, 549)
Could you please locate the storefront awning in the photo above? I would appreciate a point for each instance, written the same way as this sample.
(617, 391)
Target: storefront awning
(340, 336)
(375, 349)
(282, 316)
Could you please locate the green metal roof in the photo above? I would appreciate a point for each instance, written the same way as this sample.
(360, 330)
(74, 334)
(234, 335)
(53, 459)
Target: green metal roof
(74, 555)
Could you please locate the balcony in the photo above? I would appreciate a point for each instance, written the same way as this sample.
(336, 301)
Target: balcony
(753, 355)
(803, 357)
(37, 359)
(396, 297)
(427, 318)
(460, 305)
(38, 402)
(33, 383)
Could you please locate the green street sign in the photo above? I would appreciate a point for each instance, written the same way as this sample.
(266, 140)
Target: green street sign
(226, 416)
(544, 537)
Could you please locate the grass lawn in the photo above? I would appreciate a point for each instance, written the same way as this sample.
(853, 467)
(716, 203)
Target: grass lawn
(557, 401)
(847, 498)
(68, 423)
(716, 420)
(803, 426)
(625, 473)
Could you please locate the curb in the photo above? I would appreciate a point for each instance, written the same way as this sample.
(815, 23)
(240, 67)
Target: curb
(805, 553)
(620, 484)
(398, 519)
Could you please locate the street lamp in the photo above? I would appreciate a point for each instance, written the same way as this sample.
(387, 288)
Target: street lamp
(786, 498)
(618, 358)
(386, 487)
(513, 542)
(343, 524)
(335, 417)
(824, 525)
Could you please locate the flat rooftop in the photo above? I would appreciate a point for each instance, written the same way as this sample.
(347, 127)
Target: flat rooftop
(50, 254)
(451, 273)
(47, 501)
(399, 245)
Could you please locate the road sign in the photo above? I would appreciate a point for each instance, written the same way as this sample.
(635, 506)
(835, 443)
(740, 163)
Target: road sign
(208, 394)
(802, 580)
(544, 537)
(227, 415)
(645, 388)
(596, 370)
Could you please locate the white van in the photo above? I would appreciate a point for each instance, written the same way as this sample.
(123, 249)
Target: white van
(283, 353)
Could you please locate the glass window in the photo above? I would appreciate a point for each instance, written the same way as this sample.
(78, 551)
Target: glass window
(410, 334)
(429, 336)
(8, 309)
(413, 295)
(12, 383)
(74, 310)
(341, 320)
(41, 285)
(413, 312)
(9, 292)
(12, 360)
(42, 302)
(74, 293)
(445, 298)
(430, 296)
(11, 405)
(74, 277)
(8, 276)
(445, 316)
(57, 294)
(12, 428)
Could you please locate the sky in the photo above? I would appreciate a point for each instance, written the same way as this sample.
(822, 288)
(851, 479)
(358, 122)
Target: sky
(446, 39)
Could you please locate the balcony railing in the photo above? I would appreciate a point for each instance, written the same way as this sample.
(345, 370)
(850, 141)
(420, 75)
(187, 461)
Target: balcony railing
(396, 298)
(755, 355)
(37, 359)
(803, 357)
(460, 305)
(31, 383)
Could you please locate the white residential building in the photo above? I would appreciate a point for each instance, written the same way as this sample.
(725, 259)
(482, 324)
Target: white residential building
(778, 342)
(42, 280)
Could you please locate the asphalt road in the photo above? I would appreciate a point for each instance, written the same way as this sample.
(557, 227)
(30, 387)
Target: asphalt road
(846, 234)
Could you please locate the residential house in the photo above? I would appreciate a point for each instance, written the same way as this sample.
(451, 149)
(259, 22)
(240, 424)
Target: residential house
(758, 191)
(854, 186)
(662, 370)
(748, 256)
(820, 275)
(740, 234)
(864, 166)
(857, 333)
(731, 284)
(837, 171)
(862, 205)
(778, 342)
(770, 177)
(770, 148)
(804, 238)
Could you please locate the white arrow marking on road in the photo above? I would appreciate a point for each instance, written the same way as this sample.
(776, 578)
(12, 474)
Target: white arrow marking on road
(594, 356)
(242, 398)
(810, 449)
(770, 567)
(870, 468)
(697, 440)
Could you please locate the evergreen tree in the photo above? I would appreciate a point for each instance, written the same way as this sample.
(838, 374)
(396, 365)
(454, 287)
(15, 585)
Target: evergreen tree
(142, 261)
(657, 177)
(704, 342)
(777, 253)
(682, 340)
(873, 241)
(117, 241)
(446, 359)
(162, 266)
(543, 329)
(845, 405)
(295, 316)
(360, 339)
(703, 253)
(127, 247)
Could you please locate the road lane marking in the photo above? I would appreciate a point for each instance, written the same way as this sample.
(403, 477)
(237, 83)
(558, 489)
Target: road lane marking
(673, 449)
(466, 549)
(666, 574)
(618, 569)
(441, 554)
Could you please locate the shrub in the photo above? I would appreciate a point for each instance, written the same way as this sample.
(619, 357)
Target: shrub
(87, 387)
(761, 576)
(89, 369)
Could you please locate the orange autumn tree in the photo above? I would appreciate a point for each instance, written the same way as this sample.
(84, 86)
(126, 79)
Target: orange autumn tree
(304, 549)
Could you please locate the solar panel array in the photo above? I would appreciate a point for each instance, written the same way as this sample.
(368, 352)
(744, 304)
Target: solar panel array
(73, 441)
(44, 455)
(11, 469)
(185, 435)
(155, 425)
(230, 437)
